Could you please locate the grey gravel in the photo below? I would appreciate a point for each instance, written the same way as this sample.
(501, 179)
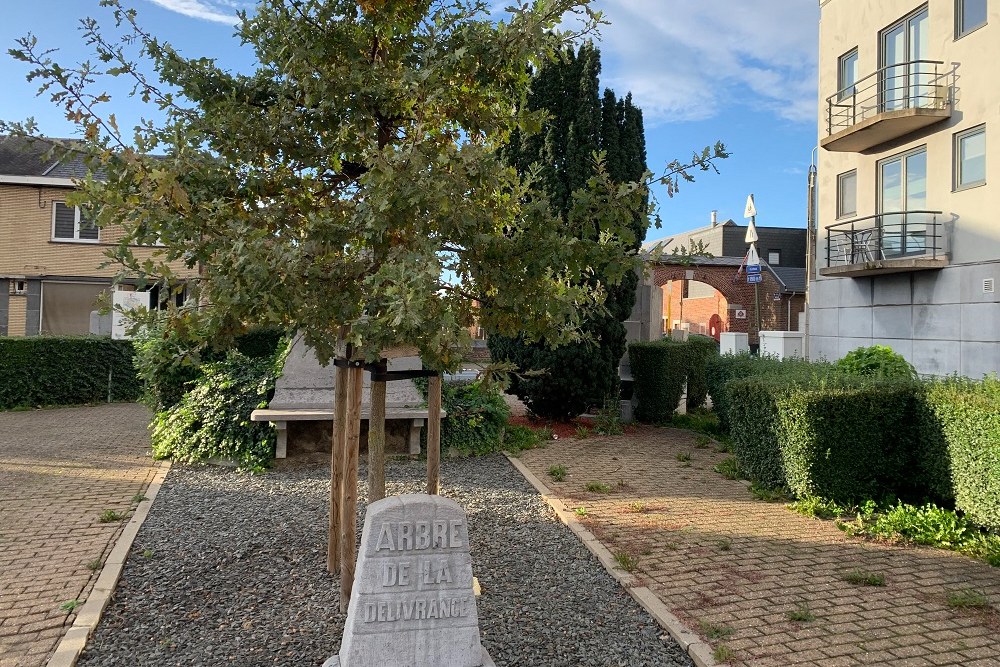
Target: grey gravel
(231, 568)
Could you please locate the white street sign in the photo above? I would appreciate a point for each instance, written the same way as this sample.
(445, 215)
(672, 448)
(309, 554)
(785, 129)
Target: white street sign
(126, 301)
(750, 210)
(753, 259)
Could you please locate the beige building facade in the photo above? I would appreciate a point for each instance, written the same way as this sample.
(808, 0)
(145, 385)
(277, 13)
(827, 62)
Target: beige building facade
(51, 274)
(908, 233)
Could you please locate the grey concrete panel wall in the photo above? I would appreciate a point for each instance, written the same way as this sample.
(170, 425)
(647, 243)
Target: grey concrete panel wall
(981, 322)
(937, 287)
(33, 312)
(937, 357)
(855, 292)
(824, 322)
(825, 293)
(972, 277)
(855, 322)
(824, 348)
(937, 322)
(4, 306)
(893, 290)
(892, 321)
(979, 359)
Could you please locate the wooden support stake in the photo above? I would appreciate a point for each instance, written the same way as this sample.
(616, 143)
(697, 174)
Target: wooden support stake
(337, 444)
(349, 509)
(433, 434)
(376, 443)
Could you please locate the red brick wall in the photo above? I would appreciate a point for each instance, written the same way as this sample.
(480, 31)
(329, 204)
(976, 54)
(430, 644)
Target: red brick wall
(773, 314)
(694, 311)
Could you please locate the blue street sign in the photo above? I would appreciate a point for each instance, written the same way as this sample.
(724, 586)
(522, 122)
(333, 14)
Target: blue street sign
(754, 278)
(753, 268)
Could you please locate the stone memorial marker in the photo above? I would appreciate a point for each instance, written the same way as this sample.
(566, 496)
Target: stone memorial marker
(413, 604)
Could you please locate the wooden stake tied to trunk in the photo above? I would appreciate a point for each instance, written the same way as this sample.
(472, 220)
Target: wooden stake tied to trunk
(376, 439)
(349, 508)
(338, 443)
(433, 434)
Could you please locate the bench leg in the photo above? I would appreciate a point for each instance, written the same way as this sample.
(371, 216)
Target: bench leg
(281, 449)
(414, 439)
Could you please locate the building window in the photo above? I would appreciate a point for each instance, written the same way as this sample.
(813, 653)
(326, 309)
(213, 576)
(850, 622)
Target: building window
(774, 257)
(847, 75)
(847, 194)
(969, 15)
(970, 158)
(68, 224)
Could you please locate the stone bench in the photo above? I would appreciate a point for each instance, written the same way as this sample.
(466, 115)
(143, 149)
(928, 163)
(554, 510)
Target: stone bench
(280, 418)
(304, 394)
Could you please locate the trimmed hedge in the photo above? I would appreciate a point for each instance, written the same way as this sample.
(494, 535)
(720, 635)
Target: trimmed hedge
(658, 372)
(701, 349)
(66, 370)
(960, 445)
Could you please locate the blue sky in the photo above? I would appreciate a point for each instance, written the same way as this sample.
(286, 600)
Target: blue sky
(741, 72)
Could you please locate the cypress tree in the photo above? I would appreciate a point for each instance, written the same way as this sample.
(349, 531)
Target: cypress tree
(581, 123)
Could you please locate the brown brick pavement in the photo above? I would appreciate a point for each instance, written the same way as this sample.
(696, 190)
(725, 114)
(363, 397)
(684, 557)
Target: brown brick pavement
(721, 560)
(59, 469)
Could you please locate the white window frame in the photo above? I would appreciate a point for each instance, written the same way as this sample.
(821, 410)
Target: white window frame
(841, 213)
(76, 227)
(774, 252)
(957, 158)
(960, 29)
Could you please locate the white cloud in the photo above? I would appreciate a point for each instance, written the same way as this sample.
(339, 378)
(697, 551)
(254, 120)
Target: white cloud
(219, 11)
(683, 60)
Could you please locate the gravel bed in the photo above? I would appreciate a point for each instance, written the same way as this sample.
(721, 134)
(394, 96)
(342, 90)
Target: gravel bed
(231, 568)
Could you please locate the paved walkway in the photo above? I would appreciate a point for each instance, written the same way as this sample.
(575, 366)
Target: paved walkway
(734, 568)
(59, 470)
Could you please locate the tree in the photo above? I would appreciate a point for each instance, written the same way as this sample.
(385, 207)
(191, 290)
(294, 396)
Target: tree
(564, 381)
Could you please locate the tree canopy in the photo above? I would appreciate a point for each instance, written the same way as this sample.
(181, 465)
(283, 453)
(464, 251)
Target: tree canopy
(352, 180)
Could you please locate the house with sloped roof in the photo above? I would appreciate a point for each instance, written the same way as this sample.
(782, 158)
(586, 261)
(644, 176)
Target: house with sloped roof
(51, 277)
(702, 308)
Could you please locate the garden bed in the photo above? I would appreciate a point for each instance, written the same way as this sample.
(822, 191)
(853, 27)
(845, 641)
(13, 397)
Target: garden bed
(232, 568)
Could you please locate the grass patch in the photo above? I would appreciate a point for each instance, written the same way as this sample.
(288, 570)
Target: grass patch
(714, 631)
(110, 516)
(801, 614)
(557, 472)
(626, 561)
(702, 442)
(723, 653)
(70, 605)
(729, 468)
(637, 507)
(725, 544)
(597, 487)
(864, 578)
(768, 495)
(581, 432)
(580, 511)
(94, 565)
(684, 457)
(138, 498)
(519, 438)
(968, 598)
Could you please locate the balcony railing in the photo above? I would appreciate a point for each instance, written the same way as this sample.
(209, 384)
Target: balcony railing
(888, 103)
(886, 243)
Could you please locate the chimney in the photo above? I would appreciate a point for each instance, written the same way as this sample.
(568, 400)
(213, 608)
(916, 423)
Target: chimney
(715, 218)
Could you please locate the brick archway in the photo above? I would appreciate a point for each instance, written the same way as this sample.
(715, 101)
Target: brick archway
(720, 274)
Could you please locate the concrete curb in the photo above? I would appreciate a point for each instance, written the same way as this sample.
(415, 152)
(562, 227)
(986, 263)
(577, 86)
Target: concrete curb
(699, 652)
(71, 645)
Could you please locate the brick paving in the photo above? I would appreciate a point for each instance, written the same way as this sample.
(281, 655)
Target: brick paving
(733, 568)
(59, 470)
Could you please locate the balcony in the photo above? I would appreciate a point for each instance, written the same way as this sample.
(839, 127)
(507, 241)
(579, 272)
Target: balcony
(888, 104)
(885, 243)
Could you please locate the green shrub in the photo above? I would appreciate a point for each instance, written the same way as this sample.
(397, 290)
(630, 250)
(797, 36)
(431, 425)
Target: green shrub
(476, 418)
(701, 349)
(847, 443)
(212, 420)
(169, 364)
(753, 416)
(877, 361)
(960, 445)
(66, 370)
(658, 372)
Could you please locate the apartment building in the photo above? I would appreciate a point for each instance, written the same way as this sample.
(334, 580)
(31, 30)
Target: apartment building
(51, 277)
(908, 247)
